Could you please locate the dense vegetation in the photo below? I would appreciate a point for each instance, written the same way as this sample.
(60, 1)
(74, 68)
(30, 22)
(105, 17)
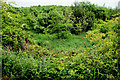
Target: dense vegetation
(60, 42)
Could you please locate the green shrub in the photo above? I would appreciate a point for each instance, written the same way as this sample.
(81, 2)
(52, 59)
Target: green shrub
(83, 16)
(11, 36)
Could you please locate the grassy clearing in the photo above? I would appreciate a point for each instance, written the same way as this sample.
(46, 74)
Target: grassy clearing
(73, 42)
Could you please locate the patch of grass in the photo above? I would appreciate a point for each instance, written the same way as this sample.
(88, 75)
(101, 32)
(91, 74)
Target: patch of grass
(73, 42)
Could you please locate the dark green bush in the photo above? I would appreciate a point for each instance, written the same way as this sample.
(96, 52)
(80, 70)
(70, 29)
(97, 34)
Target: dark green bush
(85, 18)
(87, 13)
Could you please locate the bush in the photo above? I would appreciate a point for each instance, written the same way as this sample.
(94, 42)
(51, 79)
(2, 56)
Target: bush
(11, 36)
(84, 17)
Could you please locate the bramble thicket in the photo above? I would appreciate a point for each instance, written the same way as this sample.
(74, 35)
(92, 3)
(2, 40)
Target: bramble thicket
(75, 42)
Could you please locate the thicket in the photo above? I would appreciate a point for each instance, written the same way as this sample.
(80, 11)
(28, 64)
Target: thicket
(86, 14)
(64, 20)
(23, 58)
